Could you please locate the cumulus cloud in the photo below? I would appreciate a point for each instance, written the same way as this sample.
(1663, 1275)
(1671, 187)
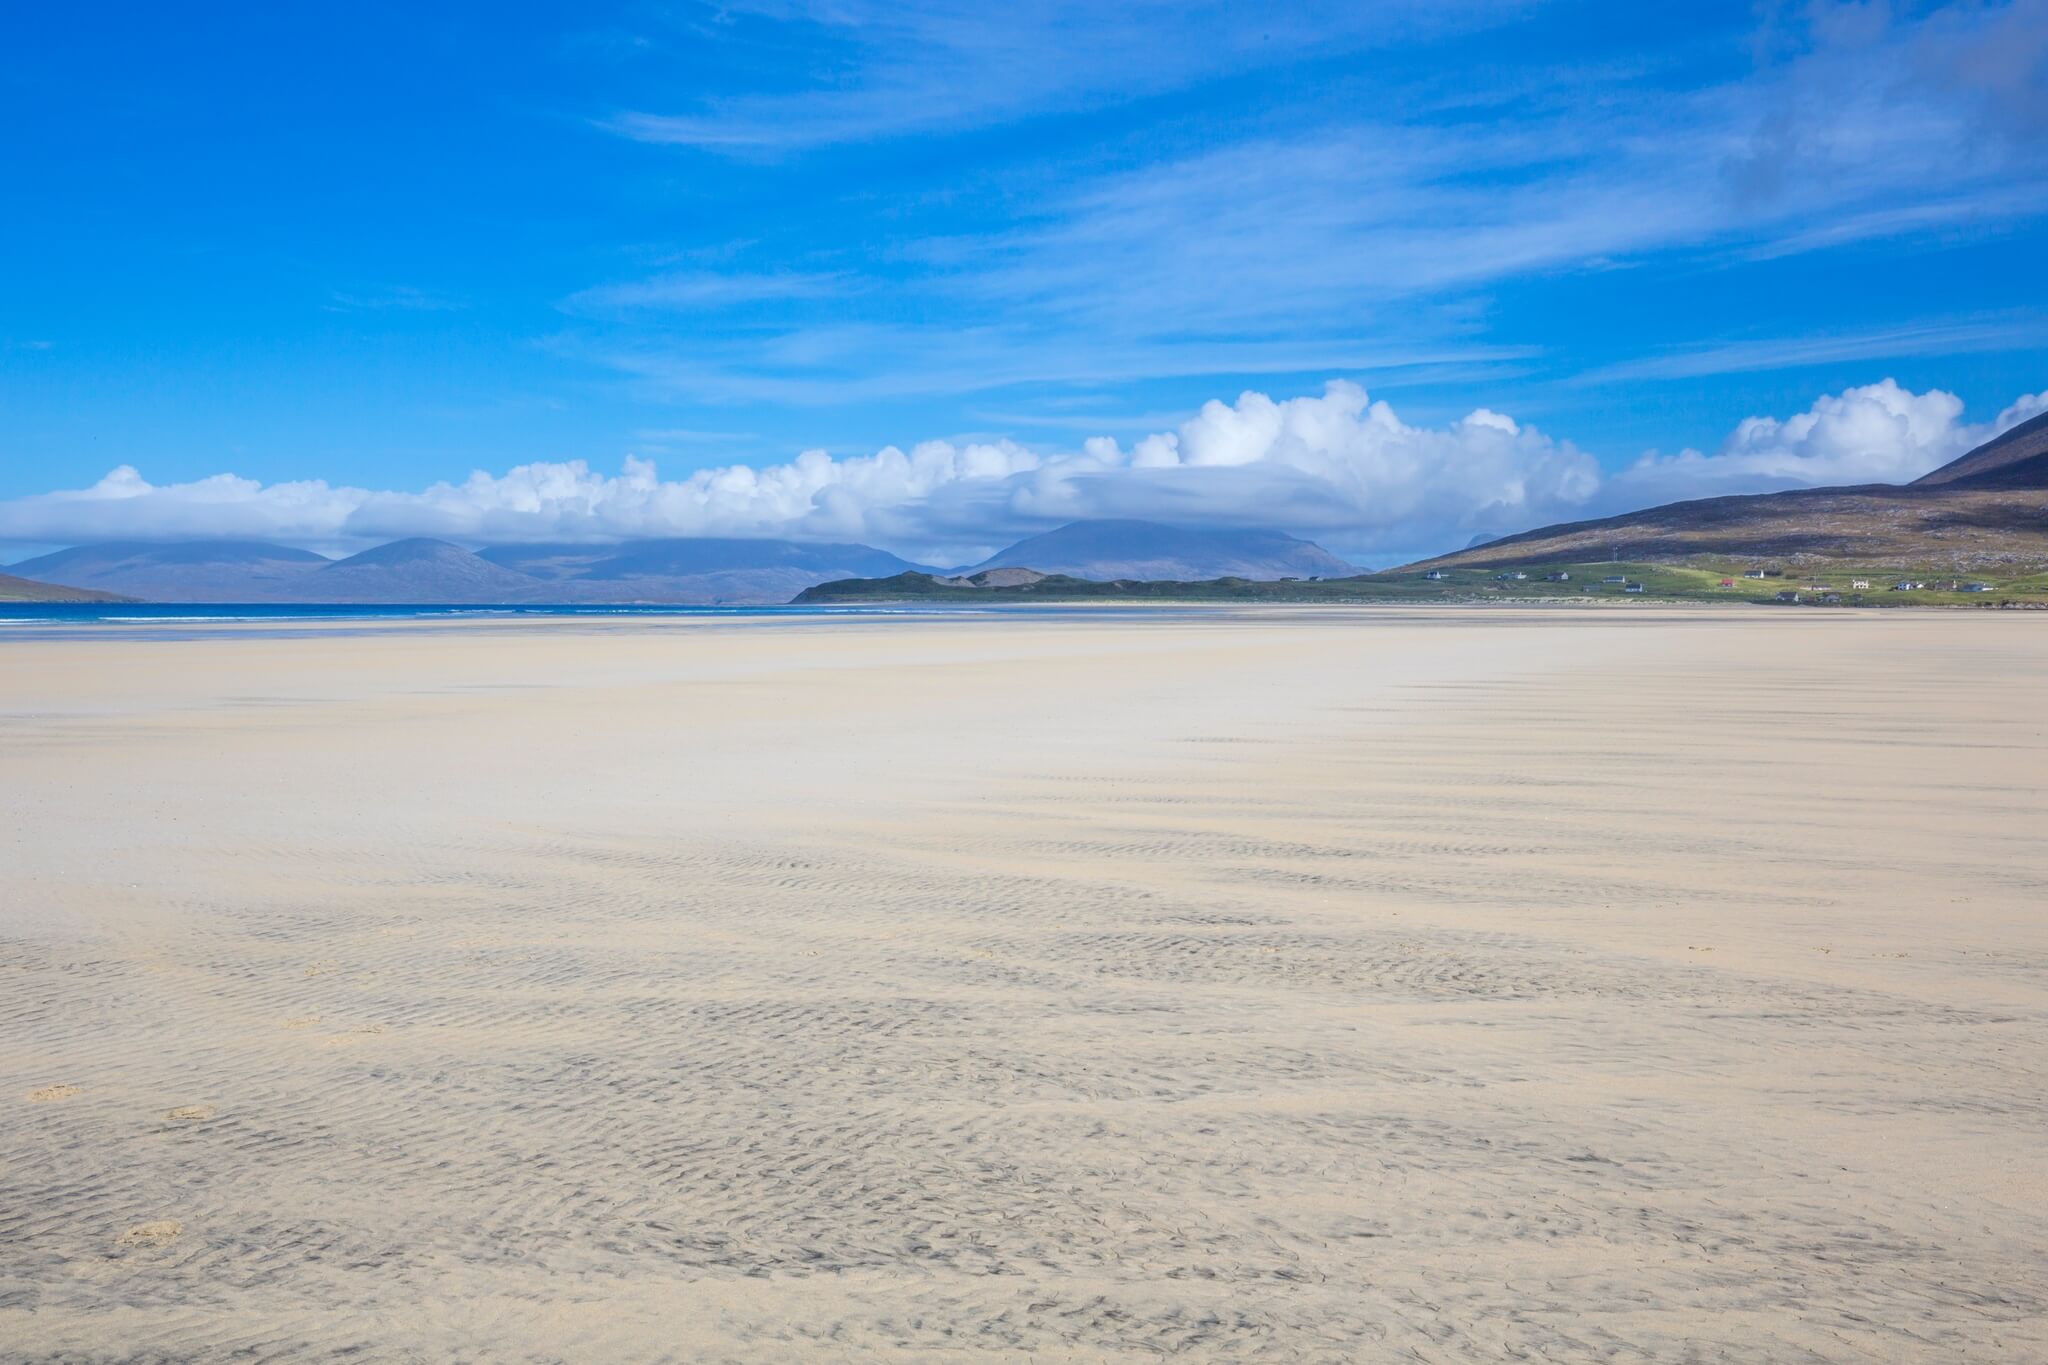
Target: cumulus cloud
(1879, 433)
(1337, 466)
(1341, 465)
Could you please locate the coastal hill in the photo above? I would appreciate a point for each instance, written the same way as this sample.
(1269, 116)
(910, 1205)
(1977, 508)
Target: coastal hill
(1983, 512)
(1013, 585)
(1111, 549)
(14, 589)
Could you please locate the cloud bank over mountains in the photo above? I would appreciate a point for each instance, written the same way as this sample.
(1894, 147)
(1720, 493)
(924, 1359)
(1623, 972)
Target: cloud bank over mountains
(1337, 467)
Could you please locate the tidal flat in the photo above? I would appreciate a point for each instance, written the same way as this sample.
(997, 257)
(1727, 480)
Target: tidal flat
(1424, 984)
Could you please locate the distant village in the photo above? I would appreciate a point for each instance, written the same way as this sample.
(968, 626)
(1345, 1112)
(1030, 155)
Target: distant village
(1811, 591)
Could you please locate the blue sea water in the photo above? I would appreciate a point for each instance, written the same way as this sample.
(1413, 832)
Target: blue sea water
(184, 621)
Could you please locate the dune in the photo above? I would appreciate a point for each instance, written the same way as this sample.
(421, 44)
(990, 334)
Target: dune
(1407, 984)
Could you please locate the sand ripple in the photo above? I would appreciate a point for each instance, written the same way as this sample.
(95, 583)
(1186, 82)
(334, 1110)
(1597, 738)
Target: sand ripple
(1465, 1022)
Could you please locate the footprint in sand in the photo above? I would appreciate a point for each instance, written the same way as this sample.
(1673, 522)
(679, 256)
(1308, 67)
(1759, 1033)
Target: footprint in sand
(51, 1093)
(190, 1112)
(303, 1021)
(161, 1233)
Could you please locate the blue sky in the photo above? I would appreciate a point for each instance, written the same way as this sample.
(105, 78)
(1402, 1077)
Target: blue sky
(380, 251)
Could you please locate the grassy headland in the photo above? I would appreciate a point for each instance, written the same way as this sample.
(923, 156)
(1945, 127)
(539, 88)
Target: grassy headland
(1533, 582)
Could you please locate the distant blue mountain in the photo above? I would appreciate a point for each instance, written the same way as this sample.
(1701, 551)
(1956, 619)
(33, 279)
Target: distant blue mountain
(1109, 549)
(181, 571)
(705, 569)
(714, 571)
(417, 570)
(708, 570)
(685, 557)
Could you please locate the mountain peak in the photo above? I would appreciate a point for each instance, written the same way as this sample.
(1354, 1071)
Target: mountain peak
(417, 550)
(2015, 458)
(420, 570)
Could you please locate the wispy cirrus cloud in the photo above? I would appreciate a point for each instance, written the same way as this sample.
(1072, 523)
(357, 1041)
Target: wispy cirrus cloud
(1882, 343)
(830, 364)
(1287, 242)
(1846, 140)
(403, 298)
(885, 70)
(703, 290)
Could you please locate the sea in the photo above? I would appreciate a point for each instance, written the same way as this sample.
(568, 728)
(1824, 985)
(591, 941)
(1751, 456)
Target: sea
(187, 621)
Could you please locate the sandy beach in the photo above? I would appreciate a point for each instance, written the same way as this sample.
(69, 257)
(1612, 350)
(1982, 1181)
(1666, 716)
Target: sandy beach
(1403, 985)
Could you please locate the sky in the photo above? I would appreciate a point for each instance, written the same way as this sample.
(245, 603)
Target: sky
(936, 275)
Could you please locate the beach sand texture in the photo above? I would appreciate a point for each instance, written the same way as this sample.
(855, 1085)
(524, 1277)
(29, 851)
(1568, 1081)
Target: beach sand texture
(1301, 985)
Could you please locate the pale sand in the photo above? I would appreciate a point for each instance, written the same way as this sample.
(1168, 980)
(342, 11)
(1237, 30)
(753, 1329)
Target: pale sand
(1418, 986)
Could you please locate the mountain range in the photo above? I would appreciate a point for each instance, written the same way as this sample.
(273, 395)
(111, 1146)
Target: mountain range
(176, 572)
(711, 571)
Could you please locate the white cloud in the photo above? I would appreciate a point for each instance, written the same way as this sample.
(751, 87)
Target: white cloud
(1344, 466)
(1337, 467)
(1880, 433)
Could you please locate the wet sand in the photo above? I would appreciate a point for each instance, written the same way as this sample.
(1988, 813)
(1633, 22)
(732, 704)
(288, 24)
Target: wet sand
(1403, 985)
